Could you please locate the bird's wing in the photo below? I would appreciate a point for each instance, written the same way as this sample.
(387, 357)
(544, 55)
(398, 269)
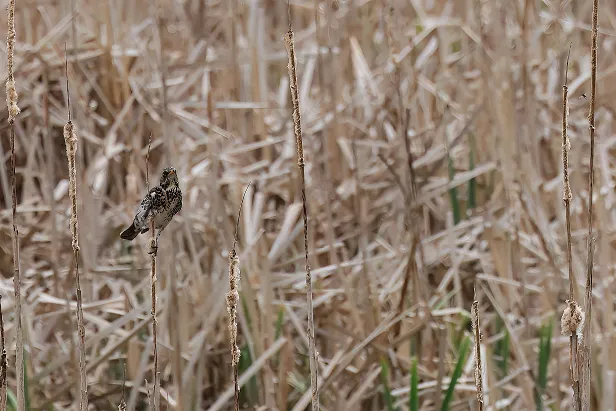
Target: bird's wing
(153, 196)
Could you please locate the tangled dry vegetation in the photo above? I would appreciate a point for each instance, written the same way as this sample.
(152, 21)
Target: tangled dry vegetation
(432, 141)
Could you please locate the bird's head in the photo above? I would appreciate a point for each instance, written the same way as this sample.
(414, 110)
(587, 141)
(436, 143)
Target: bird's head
(169, 178)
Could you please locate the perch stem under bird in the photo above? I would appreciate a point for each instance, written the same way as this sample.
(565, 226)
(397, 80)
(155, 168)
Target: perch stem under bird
(160, 203)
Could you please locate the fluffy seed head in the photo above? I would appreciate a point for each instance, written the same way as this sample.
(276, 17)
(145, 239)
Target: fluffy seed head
(11, 99)
(70, 138)
(233, 299)
(572, 320)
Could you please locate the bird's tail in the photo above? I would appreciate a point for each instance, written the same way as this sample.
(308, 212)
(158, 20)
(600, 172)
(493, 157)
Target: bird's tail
(130, 233)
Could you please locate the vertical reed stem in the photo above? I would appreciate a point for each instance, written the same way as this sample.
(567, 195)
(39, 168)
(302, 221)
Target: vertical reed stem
(300, 163)
(13, 108)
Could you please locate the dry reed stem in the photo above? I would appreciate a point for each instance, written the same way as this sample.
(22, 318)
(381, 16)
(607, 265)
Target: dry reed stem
(147, 162)
(17, 280)
(233, 299)
(586, 360)
(412, 211)
(586, 350)
(366, 293)
(232, 302)
(11, 92)
(591, 113)
(50, 169)
(13, 109)
(153, 244)
(297, 128)
(3, 363)
(154, 404)
(478, 371)
(572, 316)
(70, 140)
(153, 313)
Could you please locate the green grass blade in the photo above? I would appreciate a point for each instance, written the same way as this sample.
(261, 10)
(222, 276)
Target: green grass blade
(278, 333)
(545, 348)
(456, 46)
(457, 372)
(249, 393)
(453, 194)
(458, 332)
(504, 363)
(414, 393)
(389, 400)
(501, 349)
(279, 324)
(11, 401)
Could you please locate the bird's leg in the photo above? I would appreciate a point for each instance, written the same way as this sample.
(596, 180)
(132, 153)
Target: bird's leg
(154, 250)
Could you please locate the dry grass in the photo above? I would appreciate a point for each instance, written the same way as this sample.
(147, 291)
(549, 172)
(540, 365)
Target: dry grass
(301, 164)
(233, 301)
(155, 402)
(432, 133)
(13, 111)
(70, 141)
(3, 363)
(478, 363)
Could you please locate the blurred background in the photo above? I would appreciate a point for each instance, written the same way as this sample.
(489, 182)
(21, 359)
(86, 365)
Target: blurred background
(432, 138)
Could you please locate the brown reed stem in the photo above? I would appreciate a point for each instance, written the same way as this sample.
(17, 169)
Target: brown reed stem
(591, 113)
(233, 299)
(147, 162)
(289, 43)
(3, 363)
(571, 312)
(586, 360)
(585, 356)
(13, 108)
(478, 371)
(70, 140)
(153, 312)
(11, 91)
(154, 251)
(567, 195)
(153, 245)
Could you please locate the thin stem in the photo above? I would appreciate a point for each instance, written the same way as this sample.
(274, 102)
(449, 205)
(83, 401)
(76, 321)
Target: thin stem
(11, 99)
(153, 253)
(70, 140)
(233, 298)
(289, 43)
(567, 196)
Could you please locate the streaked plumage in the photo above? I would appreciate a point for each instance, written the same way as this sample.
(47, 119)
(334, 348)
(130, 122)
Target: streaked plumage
(163, 202)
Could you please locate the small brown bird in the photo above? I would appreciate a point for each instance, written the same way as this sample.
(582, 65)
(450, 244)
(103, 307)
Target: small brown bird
(161, 202)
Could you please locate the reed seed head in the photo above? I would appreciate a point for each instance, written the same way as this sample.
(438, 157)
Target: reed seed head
(233, 299)
(572, 320)
(70, 139)
(11, 99)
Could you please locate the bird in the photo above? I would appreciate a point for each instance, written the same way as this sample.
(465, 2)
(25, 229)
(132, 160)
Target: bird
(161, 202)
